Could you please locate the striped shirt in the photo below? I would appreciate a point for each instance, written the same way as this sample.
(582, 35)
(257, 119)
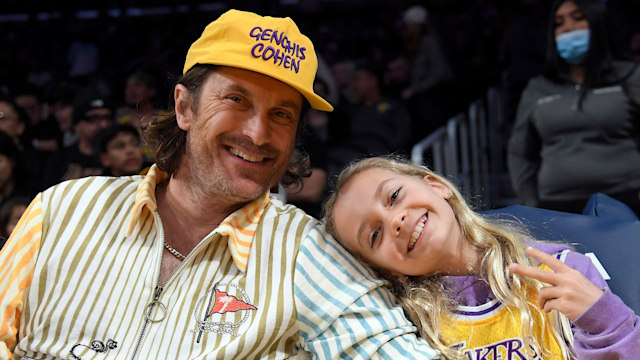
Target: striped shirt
(79, 280)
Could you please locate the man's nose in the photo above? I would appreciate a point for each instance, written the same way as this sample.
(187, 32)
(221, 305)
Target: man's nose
(257, 128)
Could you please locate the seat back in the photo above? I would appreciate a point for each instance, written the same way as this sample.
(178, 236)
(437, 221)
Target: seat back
(613, 237)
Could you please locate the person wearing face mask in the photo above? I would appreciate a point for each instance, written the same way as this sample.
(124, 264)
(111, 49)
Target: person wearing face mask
(577, 125)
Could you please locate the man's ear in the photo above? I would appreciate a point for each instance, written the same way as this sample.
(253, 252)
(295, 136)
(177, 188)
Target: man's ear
(438, 186)
(184, 113)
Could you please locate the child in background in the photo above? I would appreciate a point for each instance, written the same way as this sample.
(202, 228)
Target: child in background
(471, 286)
(119, 149)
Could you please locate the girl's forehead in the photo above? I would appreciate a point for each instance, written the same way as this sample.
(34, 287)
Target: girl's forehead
(374, 174)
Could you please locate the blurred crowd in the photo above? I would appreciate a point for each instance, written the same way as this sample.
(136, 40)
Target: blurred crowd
(73, 90)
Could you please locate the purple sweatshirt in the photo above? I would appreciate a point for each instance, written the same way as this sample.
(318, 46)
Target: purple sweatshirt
(607, 330)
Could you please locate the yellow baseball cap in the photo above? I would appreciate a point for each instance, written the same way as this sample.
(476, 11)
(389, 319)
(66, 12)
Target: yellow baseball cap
(267, 45)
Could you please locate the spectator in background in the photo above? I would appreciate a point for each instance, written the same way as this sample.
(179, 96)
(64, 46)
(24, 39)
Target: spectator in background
(61, 103)
(91, 113)
(10, 213)
(139, 94)
(119, 149)
(13, 178)
(40, 138)
(576, 130)
(396, 76)
(83, 55)
(41, 132)
(376, 125)
(429, 75)
(343, 72)
(11, 121)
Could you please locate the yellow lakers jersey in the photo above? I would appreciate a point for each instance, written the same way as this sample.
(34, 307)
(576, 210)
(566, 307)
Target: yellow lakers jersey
(492, 331)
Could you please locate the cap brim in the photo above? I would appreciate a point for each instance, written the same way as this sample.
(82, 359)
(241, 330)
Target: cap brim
(316, 101)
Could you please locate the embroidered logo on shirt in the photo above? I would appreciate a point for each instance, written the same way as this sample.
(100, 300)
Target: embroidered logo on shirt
(217, 310)
(96, 345)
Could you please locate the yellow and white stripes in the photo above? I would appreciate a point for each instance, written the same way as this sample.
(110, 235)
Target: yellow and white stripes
(18, 259)
(241, 228)
(82, 267)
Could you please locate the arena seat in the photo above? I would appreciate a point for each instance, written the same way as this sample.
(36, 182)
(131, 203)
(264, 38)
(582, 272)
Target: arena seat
(608, 232)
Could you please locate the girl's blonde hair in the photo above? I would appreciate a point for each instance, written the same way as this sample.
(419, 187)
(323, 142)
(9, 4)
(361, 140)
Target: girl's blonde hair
(425, 298)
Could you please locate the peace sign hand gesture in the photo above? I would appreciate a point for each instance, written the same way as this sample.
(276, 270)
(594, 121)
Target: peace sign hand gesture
(568, 290)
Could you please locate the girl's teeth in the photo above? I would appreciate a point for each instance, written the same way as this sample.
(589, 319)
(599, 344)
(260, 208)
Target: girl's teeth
(416, 232)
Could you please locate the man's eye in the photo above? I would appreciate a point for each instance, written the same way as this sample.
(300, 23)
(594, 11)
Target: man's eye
(282, 114)
(374, 236)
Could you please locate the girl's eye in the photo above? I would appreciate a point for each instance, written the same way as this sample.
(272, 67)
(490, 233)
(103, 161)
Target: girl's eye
(395, 195)
(374, 236)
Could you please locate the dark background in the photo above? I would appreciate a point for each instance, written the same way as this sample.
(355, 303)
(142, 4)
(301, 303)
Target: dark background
(484, 41)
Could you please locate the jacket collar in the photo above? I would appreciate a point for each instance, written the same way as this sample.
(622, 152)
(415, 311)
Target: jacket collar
(240, 227)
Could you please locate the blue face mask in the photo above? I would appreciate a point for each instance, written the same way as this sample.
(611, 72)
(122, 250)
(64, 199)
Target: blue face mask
(573, 46)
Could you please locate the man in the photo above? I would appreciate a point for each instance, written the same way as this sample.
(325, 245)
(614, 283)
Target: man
(195, 260)
(92, 113)
(119, 149)
(41, 131)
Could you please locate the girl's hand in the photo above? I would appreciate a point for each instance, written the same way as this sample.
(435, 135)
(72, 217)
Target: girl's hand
(569, 291)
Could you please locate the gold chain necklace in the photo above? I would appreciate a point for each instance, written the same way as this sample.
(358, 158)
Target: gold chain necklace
(173, 251)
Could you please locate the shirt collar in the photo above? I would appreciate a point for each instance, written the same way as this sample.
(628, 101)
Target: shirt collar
(240, 227)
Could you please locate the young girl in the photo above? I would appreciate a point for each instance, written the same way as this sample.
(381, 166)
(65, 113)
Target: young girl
(475, 289)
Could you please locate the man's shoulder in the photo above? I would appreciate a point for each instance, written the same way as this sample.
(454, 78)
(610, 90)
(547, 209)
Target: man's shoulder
(278, 211)
(94, 184)
(278, 208)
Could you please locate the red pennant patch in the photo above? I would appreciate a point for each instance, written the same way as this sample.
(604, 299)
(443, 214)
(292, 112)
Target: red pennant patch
(228, 303)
